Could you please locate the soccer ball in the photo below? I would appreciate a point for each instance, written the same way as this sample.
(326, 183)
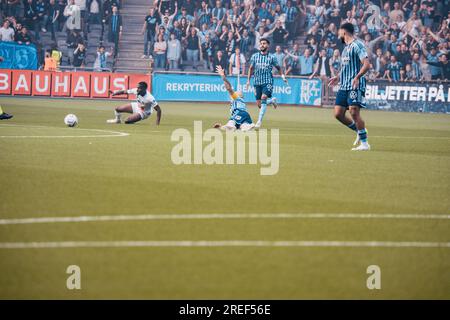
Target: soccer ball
(71, 120)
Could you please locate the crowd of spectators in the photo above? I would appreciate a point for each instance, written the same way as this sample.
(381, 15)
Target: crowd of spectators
(24, 22)
(407, 40)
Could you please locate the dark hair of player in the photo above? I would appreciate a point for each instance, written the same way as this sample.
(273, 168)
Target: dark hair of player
(264, 39)
(348, 27)
(142, 85)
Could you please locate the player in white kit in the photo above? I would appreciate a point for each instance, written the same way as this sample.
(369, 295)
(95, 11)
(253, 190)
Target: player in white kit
(141, 109)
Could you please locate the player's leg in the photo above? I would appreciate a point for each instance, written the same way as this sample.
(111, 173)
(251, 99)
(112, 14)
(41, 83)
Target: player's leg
(126, 108)
(247, 126)
(247, 123)
(4, 115)
(271, 100)
(135, 117)
(340, 109)
(138, 113)
(355, 112)
(266, 93)
(262, 110)
(340, 113)
(258, 93)
(229, 126)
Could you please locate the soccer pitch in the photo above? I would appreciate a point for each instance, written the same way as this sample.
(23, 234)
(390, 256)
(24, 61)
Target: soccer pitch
(156, 230)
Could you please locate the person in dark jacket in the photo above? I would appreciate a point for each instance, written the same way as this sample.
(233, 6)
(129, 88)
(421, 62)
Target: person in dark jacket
(23, 37)
(79, 56)
(322, 66)
(115, 28)
(444, 64)
(220, 60)
(73, 39)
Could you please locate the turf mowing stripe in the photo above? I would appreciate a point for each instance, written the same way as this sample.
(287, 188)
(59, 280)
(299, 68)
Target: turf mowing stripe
(227, 243)
(371, 136)
(226, 216)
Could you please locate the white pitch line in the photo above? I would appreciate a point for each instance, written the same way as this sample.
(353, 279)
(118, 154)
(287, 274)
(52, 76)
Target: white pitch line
(226, 243)
(216, 216)
(111, 132)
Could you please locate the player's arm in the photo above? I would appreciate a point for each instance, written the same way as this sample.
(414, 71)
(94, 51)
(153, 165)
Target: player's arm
(280, 71)
(335, 79)
(227, 83)
(364, 69)
(158, 114)
(118, 92)
(250, 72)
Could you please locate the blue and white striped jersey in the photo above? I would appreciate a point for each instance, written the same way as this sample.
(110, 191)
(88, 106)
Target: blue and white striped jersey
(351, 65)
(263, 65)
(237, 103)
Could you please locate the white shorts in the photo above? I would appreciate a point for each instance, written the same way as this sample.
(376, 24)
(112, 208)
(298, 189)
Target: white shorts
(230, 125)
(144, 113)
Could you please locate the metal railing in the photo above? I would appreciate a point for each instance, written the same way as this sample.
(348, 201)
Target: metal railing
(75, 69)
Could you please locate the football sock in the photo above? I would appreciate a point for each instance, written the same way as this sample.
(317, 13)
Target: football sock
(269, 100)
(352, 126)
(362, 135)
(262, 111)
(117, 114)
(1, 111)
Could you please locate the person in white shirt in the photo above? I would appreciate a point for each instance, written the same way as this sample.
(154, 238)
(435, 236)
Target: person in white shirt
(73, 14)
(237, 63)
(81, 4)
(6, 33)
(102, 57)
(141, 109)
(94, 12)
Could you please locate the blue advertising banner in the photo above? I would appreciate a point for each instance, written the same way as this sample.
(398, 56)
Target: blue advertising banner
(409, 96)
(200, 87)
(18, 56)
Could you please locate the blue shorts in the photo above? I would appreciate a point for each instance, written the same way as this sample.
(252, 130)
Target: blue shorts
(240, 117)
(346, 98)
(263, 89)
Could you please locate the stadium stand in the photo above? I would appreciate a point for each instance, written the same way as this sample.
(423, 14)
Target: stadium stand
(408, 40)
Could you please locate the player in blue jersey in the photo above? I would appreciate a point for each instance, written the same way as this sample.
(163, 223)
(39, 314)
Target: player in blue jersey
(262, 64)
(352, 85)
(239, 117)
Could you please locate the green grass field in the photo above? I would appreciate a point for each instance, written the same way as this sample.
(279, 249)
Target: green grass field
(88, 174)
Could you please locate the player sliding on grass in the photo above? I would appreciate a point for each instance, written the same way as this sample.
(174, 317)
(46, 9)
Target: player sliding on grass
(352, 87)
(262, 64)
(141, 109)
(239, 118)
